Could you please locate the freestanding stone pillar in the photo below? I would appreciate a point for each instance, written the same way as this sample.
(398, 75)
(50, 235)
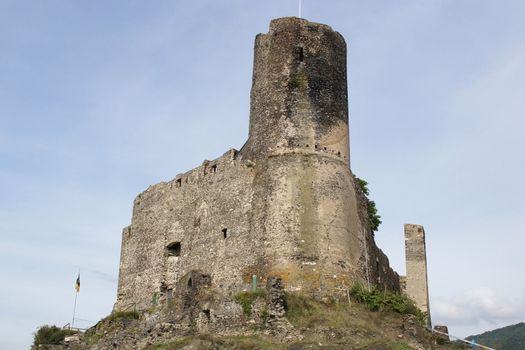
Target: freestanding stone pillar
(416, 268)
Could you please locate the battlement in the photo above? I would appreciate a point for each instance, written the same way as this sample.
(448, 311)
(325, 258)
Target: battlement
(183, 225)
(196, 176)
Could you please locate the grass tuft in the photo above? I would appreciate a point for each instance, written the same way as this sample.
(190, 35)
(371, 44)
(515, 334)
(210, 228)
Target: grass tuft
(304, 311)
(246, 299)
(122, 315)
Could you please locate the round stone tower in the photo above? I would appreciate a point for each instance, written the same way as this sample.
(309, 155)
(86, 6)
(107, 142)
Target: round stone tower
(304, 209)
(299, 90)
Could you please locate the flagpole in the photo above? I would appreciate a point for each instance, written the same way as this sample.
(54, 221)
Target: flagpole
(300, 8)
(77, 289)
(74, 310)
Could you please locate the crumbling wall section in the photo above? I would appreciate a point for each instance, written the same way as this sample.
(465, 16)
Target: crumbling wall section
(416, 267)
(197, 221)
(126, 277)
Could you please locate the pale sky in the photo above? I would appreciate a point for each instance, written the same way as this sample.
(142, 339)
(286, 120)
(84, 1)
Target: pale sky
(100, 99)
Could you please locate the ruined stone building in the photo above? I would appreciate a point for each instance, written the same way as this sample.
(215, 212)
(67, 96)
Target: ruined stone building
(286, 204)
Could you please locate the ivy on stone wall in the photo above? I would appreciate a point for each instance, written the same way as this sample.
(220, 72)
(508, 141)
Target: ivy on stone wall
(374, 219)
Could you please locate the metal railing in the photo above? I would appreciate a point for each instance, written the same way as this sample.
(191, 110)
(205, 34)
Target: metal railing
(468, 342)
(79, 330)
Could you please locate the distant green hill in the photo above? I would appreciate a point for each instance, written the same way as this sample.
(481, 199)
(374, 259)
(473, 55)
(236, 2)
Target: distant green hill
(506, 338)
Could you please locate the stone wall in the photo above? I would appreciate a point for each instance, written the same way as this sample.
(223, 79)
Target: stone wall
(286, 205)
(416, 267)
(299, 90)
(205, 213)
(374, 266)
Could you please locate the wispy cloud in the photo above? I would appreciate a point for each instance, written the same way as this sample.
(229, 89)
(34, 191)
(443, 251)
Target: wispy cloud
(103, 276)
(485, 307)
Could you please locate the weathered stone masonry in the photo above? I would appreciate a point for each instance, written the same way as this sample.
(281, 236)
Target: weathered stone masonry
(416, 280)
(285, 205)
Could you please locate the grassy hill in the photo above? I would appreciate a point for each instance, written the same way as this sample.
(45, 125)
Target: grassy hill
(506, 338)
(366, 320)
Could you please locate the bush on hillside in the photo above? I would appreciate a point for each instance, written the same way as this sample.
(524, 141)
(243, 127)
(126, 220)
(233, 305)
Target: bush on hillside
(50, 335)
(380, 300)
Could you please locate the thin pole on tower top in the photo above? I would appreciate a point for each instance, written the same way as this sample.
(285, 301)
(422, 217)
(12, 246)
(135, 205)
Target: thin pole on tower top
(300, 8)
(74, 310)
(77, 288)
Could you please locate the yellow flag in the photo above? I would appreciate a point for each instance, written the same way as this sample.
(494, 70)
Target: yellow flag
(77, 284)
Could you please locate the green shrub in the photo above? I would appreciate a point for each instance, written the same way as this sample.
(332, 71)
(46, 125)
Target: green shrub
(363, 185)
(374, 219)
(246, 299)
(377, 300)
(50, 335)
(123, 315)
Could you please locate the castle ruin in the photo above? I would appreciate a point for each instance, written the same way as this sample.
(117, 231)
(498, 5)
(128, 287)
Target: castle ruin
(416, 280)
(285, 205)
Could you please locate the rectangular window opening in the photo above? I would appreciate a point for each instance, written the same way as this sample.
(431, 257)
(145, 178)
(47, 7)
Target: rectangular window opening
(173, 249)
(207, 314)
(225, 233)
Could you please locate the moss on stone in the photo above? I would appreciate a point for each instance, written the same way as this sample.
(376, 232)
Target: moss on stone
(299, 80)
(246, 299)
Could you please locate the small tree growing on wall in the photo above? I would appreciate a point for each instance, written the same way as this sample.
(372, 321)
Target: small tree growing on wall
(374, 219)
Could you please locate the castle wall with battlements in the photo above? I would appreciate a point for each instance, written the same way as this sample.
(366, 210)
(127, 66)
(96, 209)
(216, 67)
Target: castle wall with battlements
(285, 205)
(197, 221)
